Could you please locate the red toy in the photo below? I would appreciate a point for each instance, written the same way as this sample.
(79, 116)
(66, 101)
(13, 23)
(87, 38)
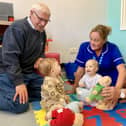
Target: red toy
(65, 117)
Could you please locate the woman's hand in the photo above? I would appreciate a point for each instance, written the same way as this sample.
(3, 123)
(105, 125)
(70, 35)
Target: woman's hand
(111, 94)
(78, 74)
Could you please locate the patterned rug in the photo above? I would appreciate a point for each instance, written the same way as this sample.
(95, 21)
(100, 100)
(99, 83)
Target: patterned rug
(93, 116)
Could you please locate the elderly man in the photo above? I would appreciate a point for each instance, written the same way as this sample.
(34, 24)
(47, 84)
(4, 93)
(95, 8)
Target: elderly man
(22, 49)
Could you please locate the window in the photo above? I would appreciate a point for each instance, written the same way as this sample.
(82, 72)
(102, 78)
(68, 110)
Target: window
(123, 15)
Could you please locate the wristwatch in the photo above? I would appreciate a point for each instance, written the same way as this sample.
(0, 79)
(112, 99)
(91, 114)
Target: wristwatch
(122, 94)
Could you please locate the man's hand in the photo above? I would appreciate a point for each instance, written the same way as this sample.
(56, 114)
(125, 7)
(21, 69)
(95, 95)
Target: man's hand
(21, 91)
(37, 63)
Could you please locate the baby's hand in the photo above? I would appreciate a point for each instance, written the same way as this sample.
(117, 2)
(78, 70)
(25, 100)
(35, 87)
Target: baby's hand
(82, 85)
(94, 92)
(87, 99)
(46, 118)
(81, 105)
(67, 99)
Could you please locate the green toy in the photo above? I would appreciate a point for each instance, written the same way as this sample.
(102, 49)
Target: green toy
(95, 93)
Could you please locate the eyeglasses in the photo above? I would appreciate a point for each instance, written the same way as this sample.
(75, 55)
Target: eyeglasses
(40, 18)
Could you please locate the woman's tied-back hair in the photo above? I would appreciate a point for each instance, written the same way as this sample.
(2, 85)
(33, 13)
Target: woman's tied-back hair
(103, 30)
(45, 66)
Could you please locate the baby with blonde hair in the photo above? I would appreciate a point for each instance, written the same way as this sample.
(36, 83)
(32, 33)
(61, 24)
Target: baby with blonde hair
(52, 89)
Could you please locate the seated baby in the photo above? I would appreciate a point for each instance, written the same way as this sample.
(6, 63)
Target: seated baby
(89, 79)
(52, 89)
(95, 94)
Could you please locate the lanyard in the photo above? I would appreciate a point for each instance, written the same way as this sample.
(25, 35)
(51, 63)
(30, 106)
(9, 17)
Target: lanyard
(100, 59)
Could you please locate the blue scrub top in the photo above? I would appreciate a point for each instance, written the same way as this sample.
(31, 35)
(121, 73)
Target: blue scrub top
(108, 60)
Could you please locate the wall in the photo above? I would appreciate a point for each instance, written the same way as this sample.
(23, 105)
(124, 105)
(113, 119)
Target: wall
(9, 1)
(113, 19)
(70, 24)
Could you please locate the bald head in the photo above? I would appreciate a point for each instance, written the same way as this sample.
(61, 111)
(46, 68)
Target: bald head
(92, 62)
(91, 67)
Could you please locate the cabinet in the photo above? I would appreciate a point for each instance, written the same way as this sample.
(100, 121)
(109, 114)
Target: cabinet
(3, 26)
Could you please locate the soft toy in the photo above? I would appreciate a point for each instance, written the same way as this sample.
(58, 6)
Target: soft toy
(103, 105)
(54, 107)
(74, 106)
(65, 117)
(95, 93)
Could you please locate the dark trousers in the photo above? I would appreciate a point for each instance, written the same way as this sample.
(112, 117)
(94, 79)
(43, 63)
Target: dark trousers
(33, 82)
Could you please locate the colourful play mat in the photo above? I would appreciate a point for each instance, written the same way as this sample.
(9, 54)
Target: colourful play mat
(93, 116)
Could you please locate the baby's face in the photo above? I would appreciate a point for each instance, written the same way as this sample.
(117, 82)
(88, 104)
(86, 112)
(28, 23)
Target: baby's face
(56, 68)
(90, 68)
